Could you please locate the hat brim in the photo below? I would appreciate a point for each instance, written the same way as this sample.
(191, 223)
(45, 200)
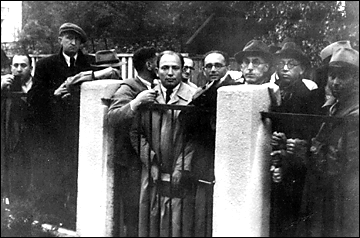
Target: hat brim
(108, 65)
(79, 33)
(240, 55)
(294, 55)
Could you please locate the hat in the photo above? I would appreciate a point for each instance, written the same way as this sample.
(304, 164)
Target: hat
(254, 48)
(107, 58)
(273, 48)
(328, 50)
(291, 50)
(345, 57)
(74, 28)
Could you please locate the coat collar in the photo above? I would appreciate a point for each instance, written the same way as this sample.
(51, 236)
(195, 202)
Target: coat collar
(183, 94)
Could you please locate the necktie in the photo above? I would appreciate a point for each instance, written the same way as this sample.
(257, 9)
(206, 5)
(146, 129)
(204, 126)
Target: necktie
(72, 62)
(168, 94)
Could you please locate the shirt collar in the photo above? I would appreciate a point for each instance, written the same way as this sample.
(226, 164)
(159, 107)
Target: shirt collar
(67, 58)
(26, 87)
(145, 82)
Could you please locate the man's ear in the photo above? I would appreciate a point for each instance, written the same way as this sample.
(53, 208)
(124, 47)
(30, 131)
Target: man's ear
(267, 67)
(59, 39)
(148, 65)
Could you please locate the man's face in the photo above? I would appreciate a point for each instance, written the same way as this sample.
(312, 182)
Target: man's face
(70, 42)
(169, 70)
(188, 68)
(288, 70)
(21, 67)
(254, 69)
(215, 66)
(342, 82)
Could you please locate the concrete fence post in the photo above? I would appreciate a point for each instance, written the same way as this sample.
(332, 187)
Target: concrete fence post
(95, 173)
(242, 188)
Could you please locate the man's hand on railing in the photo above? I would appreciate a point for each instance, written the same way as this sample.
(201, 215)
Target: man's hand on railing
(176, 177)
(155, 173)
(278, 140)
(62, 91)
(296, 146)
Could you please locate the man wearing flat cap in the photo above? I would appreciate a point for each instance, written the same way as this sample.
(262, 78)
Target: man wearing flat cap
(331, 202)
(298, 95)
(56, 114)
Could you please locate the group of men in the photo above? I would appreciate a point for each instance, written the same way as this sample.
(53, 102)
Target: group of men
(164, 167)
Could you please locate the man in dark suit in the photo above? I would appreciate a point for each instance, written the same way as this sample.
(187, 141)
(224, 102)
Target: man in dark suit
(200, 129)
(122, 113)
(56, 113)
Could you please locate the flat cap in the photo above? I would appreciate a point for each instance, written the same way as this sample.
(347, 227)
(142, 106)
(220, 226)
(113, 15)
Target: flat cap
(74, 28)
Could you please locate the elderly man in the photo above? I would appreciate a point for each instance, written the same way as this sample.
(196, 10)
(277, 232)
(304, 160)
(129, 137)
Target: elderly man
(331, 202)
(255, 61)
(57, 116)
(298, 95)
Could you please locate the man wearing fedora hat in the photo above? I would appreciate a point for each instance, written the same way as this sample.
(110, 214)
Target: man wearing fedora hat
(56, 116)
(255, 61)
(332, 185)
(107, 66)
(298, 95)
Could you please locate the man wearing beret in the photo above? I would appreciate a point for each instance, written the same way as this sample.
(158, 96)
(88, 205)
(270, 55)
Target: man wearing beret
(56, 113)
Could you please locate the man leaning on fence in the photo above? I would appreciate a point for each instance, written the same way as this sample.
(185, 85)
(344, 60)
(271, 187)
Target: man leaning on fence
(331, 197)
(56, 115)
(166, 197)
(123, 112)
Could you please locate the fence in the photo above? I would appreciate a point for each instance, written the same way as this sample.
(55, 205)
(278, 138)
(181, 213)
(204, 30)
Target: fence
(128, 71)
(242, 189)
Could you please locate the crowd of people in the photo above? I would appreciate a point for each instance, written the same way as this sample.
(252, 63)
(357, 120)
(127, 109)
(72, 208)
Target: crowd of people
(164, 166)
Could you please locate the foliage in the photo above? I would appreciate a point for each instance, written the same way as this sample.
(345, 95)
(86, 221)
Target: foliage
(313, 24)
(125, 25)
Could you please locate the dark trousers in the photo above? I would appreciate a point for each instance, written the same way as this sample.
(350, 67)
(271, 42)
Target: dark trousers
(126, 201)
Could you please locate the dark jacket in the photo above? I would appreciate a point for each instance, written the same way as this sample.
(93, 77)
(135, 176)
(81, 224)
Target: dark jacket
(121, 117)
(50, 73)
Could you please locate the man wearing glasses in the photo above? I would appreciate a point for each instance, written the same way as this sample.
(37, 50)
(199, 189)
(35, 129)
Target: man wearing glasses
(291, 138)
(200, 127)
(255, 61)
(187, 71)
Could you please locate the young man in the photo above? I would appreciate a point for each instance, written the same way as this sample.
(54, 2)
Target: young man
(331, 201)
(14, 127)
(170, 158)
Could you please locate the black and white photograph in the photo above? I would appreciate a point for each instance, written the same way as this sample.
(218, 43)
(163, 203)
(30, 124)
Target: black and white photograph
(179, 119)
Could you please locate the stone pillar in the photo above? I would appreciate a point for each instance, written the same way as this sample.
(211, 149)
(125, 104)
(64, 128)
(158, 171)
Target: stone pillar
(242, 188)
(95, 176)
